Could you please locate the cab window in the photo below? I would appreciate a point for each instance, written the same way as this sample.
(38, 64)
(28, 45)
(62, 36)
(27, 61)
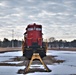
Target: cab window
(38, 29)
(30, 29)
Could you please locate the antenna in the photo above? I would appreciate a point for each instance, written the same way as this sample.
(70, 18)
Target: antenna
(12, 38)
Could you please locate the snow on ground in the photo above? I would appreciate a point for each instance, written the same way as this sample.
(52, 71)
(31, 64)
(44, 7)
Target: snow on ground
(68, 67)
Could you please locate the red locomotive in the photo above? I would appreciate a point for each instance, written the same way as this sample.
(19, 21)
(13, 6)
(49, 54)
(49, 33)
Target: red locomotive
(33, 41)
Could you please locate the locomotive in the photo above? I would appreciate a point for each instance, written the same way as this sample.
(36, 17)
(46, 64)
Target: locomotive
(33, 41)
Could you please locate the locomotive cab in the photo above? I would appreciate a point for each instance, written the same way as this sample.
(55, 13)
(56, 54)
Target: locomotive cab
(33, 41)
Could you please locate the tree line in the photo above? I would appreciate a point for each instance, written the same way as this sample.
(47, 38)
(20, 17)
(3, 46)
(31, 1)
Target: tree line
(54, 43)
(62, 44)
(10, 43)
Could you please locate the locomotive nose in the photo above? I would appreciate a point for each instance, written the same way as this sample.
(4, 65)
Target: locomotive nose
(33, 41)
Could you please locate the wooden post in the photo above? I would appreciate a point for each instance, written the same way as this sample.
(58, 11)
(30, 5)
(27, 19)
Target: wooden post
(46, 46)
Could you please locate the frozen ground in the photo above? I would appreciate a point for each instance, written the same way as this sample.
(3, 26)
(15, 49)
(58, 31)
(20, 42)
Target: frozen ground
(66, 68)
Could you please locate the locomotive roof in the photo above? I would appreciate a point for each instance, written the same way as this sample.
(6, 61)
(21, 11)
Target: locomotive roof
(32, 25)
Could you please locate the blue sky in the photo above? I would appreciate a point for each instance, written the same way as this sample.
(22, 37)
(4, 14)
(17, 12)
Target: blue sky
(57, 17)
